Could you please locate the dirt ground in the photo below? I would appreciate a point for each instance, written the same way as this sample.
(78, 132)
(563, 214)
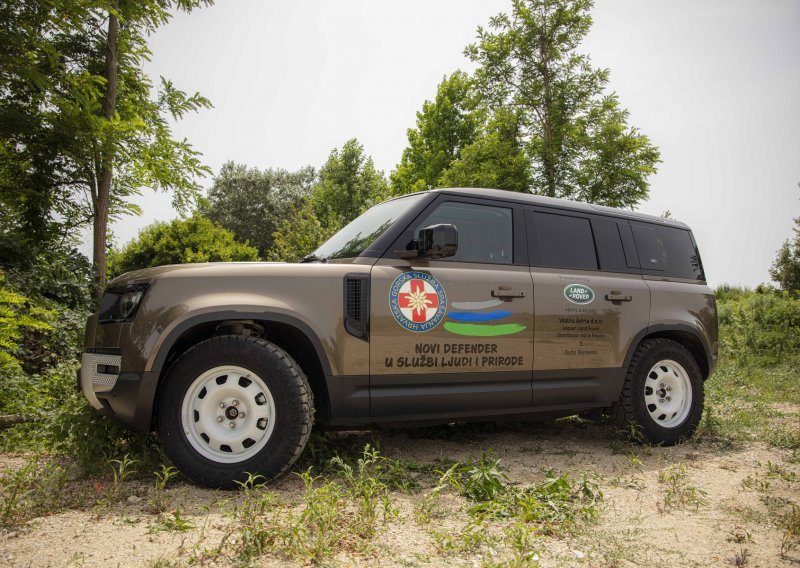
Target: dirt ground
(741, 489)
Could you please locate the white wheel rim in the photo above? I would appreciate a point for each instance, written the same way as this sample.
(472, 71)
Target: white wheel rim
(228, 414)
(668, 393)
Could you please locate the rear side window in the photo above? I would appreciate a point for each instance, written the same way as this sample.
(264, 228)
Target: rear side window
(667, 250)
(564, 241)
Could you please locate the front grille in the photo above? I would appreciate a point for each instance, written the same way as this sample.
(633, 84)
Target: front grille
(356, 305)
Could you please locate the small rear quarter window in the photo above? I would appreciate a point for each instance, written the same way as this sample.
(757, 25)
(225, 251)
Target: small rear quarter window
(669, 251)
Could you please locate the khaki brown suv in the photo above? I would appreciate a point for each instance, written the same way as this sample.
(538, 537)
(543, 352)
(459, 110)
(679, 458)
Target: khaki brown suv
(441, 306)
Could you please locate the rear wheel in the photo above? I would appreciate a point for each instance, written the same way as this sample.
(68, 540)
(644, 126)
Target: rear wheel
(662, 397)
(234, 405)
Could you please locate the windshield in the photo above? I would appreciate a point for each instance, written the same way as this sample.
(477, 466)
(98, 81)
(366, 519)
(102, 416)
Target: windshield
(357, 236)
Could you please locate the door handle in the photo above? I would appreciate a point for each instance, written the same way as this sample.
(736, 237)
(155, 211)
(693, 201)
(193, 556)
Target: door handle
(617, 297)
(507, 292)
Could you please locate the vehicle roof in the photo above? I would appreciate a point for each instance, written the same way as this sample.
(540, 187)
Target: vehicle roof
(530, 199)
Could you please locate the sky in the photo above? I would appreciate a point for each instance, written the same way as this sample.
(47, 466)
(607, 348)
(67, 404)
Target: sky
(714, 84)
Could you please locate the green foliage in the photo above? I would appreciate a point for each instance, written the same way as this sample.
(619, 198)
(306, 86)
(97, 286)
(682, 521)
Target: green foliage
(66, 422)
(175, 521)
(250, 203)
(575, 136)
(36, 488)
(336, 514)
(555, 505)
(17, 315)
(483, 480)
(677, 492)
(785, 270)
(445, 126)
(59, 132)
(181, 241)
(534, 117)
(159, 500)
(759, 362)
(765, 325)
(55, 274)
(494, 160)
(349, 185)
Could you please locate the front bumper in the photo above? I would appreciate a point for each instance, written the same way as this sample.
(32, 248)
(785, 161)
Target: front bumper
(99, 374)
(126, 396)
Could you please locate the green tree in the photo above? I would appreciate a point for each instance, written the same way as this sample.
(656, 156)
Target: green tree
(574, 134)
(250, 203)
(495, 159)
(444, 127)
(785, 269)
(349, 185)
(82, 128)
(196, 239)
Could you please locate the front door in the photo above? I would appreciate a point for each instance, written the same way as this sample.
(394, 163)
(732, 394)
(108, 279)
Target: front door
(454, 337)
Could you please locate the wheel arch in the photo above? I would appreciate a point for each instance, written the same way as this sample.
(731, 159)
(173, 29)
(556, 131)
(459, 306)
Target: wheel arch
(289, 333)
(685, 335)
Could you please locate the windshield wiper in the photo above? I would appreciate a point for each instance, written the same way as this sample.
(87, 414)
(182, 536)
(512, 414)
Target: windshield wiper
(314, 258)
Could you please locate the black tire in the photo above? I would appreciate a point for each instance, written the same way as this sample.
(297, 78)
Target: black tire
(644, 423)
(291, 400)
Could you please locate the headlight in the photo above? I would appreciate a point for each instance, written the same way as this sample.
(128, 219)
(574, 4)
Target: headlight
(120, 304)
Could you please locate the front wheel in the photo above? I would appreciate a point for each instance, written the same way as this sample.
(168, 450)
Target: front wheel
(662, 396)
(231, 406)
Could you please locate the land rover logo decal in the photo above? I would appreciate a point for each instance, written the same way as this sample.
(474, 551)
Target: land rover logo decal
(579, 294)
(417, 301)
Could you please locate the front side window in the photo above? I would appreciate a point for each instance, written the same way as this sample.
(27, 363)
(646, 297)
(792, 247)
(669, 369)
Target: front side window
(360, 233)
(485, 232)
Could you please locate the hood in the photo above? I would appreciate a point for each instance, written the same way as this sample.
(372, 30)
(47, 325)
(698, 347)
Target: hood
(221, 269)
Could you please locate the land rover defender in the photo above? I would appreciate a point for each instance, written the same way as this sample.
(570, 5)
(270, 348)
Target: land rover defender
(441, 306)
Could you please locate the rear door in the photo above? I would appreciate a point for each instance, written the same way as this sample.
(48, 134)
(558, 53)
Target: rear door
(591, 302)
(454, 336)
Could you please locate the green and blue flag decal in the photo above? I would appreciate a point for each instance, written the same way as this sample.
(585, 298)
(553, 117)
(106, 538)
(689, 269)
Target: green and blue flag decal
(474, 320)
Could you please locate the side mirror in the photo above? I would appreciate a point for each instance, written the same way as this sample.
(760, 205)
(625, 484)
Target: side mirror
(435, 241)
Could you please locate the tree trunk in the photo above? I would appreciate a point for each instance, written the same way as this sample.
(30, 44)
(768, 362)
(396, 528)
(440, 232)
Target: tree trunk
(107, 158)
(549, 152)
(9, 420)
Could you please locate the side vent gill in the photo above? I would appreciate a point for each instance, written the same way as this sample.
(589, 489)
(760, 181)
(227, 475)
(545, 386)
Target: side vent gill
(356, 305)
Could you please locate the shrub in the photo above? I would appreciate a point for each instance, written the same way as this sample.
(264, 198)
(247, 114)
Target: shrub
(181, 241)
(764, 325)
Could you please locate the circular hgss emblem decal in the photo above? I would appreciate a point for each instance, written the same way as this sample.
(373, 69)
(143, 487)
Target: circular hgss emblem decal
(579, 294)
(417, 301)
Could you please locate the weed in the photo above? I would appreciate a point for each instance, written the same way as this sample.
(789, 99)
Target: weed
(34, 489)
(481, 481)
(429, 508)
(779, 471)
(791, 531)
(633, 459)
(173, 522)
(121, 470)
(523, 543)
(741, 559)
(677, 492)
(557, 504)
(471, 539)
(751, 483)
(368, 483)
(554, 506)
(159, 501)
(343, 513)
(740, 536)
